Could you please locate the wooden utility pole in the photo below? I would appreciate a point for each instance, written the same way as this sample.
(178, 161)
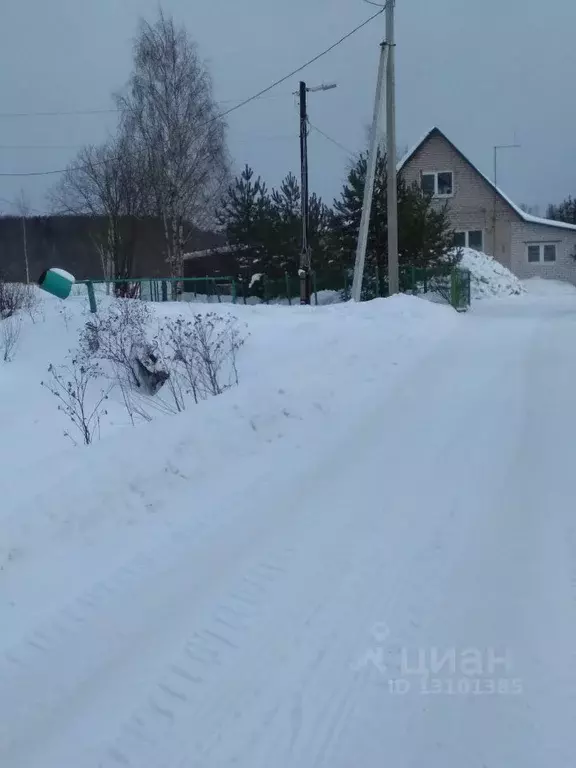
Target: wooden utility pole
(305, 254)
(304, 271)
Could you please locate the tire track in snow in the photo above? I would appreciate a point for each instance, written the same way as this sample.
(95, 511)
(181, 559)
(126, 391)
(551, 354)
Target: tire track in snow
(210, 648)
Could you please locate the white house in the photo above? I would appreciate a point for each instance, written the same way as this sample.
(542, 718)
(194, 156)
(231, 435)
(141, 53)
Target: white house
(484, 218)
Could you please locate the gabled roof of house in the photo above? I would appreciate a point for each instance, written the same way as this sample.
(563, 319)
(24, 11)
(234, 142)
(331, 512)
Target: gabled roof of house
(527, 217)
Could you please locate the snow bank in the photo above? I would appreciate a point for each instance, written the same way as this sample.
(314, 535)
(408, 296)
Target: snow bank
(489, 277)
(538, 286)
(305, 372)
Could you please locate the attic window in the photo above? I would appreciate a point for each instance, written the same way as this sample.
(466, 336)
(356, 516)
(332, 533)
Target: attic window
(438, 183)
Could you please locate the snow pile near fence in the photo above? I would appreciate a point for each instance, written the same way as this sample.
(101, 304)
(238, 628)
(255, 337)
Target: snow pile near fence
(489, 277)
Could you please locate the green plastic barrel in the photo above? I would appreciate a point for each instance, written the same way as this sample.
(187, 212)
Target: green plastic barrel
(56, 281)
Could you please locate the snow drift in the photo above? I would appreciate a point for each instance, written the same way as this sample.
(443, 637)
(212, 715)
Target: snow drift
(489, 277)
(237, 585)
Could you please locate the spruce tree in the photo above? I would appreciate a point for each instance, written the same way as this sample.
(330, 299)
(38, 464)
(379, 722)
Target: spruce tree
(565, 211)
(245, 214)
(286, 225)
(426, 238)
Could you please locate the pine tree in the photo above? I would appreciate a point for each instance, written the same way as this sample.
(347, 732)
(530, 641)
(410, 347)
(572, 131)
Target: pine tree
(287, 225)
(565, 211)
(319, 231)
(286, 207)
(425, 235)
(245, 214)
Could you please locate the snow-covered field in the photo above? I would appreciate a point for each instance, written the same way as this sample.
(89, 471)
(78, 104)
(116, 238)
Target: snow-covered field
(272, 577)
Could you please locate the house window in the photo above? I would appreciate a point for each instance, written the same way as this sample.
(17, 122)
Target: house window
(541, 252)
(550, 252)
(471, 238)
(438, 184)
(444, 184)
(429, 183)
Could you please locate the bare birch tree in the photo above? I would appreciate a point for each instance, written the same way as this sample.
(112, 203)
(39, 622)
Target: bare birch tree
(22, 205)
(170, 115)
(106, 181)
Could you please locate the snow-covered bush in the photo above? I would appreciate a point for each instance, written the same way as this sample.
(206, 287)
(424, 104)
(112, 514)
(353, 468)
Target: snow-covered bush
(193, 356)
(15, 297)
(200, 354)
(117, 335)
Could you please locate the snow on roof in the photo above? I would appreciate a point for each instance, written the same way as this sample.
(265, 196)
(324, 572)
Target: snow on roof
(527, 217)
(219, 249)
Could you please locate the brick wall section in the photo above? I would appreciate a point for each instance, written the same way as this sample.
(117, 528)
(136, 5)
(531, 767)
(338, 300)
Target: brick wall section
(564, 268)
(472, 205)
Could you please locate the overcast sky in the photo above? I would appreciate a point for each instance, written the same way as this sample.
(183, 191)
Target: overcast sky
(485, 71)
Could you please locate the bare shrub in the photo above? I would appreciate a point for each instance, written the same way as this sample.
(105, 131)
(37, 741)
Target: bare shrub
(13, 297)
(217, 341)
(114, 335)
(200, 354)
(32, 304)
(70, 384)
(10, 329)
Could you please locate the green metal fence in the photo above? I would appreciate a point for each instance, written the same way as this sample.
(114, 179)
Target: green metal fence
(166, 289)
(450, 284)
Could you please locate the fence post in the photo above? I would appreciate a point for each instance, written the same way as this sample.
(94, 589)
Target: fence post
(233, 291)
(164, 291)
(91, 296)
(315, 288)
(413, 278)
(454, 289)
(288, 296)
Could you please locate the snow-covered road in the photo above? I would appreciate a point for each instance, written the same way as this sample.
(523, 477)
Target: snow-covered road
(398, 593)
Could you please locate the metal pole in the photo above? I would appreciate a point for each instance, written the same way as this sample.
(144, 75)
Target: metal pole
(25, 242)
(392, 196)
(371, 164)
(496, 166)
(495, 202)
(304, 270)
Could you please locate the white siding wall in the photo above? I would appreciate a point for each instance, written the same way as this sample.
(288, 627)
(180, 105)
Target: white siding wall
(564, 268)
(472, 205)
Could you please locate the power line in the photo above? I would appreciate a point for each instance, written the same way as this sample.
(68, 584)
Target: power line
(303, 66)
(40, 146)
(58, 113)
(333, 141)
(74, 112)
(241, 104)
